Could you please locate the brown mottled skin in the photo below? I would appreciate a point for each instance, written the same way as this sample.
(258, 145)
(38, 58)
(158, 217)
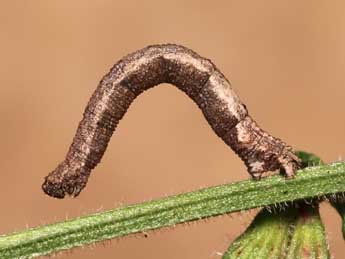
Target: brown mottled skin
(200, 79)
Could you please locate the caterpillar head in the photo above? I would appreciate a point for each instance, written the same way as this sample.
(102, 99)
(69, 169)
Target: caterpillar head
(65, 180)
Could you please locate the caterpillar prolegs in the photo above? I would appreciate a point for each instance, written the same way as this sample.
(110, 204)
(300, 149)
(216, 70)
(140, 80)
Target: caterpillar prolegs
(200, 79)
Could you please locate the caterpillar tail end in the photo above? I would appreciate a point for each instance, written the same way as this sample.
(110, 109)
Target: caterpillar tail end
(287, 162)
(65, 181)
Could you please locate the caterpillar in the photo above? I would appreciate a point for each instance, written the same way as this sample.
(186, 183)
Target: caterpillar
(196, 76)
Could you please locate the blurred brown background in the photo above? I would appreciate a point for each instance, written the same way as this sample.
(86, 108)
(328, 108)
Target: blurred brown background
(284, 58)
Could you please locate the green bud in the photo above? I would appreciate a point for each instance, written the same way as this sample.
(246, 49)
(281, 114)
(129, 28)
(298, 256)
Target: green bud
(266, 237)
(308, 239)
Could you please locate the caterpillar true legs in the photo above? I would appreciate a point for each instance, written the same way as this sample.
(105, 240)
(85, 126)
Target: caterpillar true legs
(201, 81)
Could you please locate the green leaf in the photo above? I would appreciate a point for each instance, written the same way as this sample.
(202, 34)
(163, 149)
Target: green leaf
(309, 159)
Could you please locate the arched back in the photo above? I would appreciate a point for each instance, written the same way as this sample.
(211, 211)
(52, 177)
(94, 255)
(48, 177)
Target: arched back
(200, 79)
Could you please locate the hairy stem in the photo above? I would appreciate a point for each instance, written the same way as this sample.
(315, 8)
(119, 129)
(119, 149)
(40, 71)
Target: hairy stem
(310, 182)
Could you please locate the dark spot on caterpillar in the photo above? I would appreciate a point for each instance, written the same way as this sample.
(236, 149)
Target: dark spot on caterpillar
(200, 79)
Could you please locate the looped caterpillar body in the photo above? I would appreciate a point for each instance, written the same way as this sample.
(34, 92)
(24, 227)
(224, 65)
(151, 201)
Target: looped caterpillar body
(200, 79)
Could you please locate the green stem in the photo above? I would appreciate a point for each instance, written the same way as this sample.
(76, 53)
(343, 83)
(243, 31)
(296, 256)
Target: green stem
(310, 182)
